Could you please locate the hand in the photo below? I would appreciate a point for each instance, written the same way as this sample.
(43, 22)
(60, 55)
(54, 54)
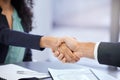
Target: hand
(73, 45)
(60, 50)
(50, 42)
(64, 54)
(80, 49)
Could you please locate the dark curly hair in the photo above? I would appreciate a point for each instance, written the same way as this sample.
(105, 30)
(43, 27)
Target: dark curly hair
(23, 8)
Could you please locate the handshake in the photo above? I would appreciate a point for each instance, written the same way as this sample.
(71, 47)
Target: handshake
(67, 49)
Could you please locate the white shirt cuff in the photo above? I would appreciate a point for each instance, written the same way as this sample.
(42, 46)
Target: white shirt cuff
(96, 51)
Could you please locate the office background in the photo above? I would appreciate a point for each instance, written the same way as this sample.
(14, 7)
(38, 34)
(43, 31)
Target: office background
(86, 20)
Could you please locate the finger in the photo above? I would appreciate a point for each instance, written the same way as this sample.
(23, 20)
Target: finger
(68, 52)
(65, 51)
(59, 42)
(71, 43)
(60, 57)
(73, 56)
(56, 53)
(64, 60)
(53, 50)
(71, 61)
(77, 54)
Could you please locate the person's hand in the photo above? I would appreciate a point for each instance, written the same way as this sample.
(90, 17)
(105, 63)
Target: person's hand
(73, 45)
(80, 49)
(50, 42)
(60, 50)
(65, 55)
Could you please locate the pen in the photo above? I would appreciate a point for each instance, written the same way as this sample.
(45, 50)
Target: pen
(94, 74)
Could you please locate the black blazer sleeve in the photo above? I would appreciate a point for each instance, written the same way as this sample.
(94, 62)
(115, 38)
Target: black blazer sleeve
(15, 38)
(109, 53)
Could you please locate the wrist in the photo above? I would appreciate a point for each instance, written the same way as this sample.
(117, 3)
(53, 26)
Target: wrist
(49, 42)
(43, 42)
(87, 49)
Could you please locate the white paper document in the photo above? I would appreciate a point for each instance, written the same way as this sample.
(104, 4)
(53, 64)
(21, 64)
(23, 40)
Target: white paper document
(15, 72)
(77, 74)
(72, 74)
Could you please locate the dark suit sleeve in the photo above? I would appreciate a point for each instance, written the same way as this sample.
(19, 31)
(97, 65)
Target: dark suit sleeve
(109, 53)
(15, 38)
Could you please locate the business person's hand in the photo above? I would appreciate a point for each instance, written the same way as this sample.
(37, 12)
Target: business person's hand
(73, 45)
(80, 49)
(64, 54)
(60, 50)
(50, 42)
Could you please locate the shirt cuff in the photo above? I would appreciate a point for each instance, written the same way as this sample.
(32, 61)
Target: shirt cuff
(96, 51)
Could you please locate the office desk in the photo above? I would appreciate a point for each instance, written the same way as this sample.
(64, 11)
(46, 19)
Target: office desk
(43, 67)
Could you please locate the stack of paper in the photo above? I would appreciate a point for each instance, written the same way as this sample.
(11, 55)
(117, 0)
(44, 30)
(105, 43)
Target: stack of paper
(15, 72)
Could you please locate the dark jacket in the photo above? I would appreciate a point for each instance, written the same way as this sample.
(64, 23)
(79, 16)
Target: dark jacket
(15, 38)
(109, 53)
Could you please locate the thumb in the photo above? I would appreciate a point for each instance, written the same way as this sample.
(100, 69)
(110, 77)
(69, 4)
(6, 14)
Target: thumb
(71, 43)
(59, 42)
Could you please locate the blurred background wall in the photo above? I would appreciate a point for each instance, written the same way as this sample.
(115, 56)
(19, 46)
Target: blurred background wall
(86, 20)
(42, 23)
